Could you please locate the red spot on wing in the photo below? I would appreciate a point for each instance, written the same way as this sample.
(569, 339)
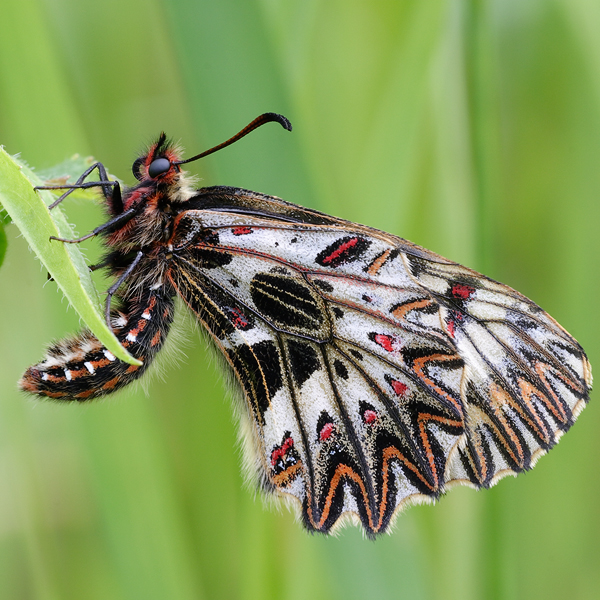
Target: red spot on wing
(281, 451)
(451, 328)
(241, 230)
(326, 431)
(398, 387)
(369, 416)
(339, 251)
(455, 318)
(463, 292)
(238, 318)
(385, 341)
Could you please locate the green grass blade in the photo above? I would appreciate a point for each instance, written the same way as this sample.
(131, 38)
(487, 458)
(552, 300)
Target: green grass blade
(64, 262)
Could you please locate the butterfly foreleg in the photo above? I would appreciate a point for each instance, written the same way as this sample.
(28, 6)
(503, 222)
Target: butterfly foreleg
(110, 189)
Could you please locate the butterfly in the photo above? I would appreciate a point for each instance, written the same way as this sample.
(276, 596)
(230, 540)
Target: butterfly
(375, 373)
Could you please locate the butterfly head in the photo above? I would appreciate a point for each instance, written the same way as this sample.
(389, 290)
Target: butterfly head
(159, 163)
(160, 166)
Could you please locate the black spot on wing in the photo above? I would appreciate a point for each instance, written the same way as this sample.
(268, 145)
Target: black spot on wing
(356, 354)
(342, 251)
(338, 312)
(324, 285)
(303, 361)
(209, 259)
(340, 369)
(259, 371)
(285, 301)
(411, 354)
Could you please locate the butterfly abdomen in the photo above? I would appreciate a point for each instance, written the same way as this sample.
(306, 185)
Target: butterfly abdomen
(81, 368)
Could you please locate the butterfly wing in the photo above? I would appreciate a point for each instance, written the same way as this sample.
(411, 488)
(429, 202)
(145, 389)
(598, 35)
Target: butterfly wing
(375, 371)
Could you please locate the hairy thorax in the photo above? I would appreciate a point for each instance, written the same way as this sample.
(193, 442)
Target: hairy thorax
(153, 226)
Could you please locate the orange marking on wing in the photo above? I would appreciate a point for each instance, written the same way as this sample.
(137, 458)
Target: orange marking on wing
(55, 394)
(379, 262)
(423, 419)
(132, 368)
(388, 454)
(401, 312)
(541, 369)
(508, 399)
(393, 452)
(86, 394)
(341, 472)
(527, 393)
(482, 460)
(287, 476)
(419, 366)
(498, 398)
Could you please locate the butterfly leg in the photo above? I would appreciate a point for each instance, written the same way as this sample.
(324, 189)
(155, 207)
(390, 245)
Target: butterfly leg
(115, 286)
(110, 189)
(107, 227)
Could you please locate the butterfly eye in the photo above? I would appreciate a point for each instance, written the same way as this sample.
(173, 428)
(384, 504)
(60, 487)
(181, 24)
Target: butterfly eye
(158, 167)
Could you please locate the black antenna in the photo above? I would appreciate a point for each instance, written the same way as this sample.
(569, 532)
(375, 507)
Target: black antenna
(258, 122)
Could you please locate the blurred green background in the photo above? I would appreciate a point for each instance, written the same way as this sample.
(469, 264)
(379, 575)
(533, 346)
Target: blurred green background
(470, 127)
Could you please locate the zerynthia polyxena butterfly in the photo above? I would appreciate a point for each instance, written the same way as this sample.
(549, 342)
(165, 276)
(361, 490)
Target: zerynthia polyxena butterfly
(375, 373)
